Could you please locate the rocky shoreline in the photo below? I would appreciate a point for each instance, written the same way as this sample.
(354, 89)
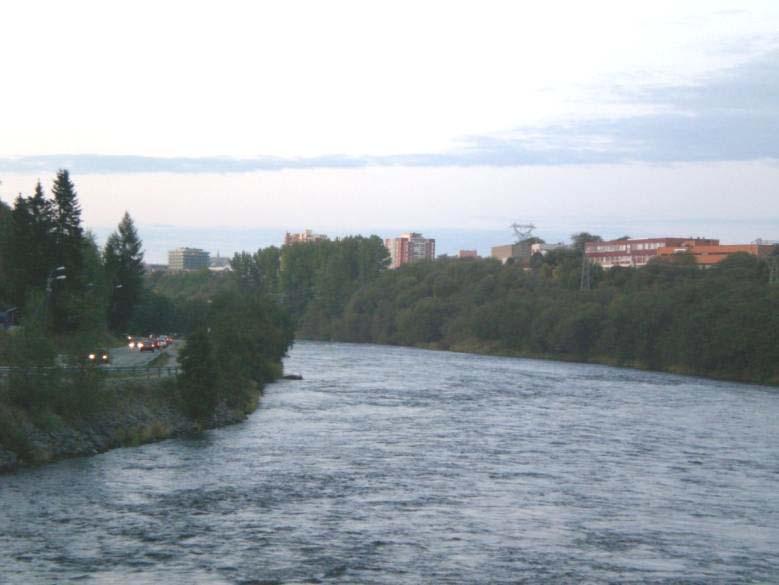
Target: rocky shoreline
(140, 417)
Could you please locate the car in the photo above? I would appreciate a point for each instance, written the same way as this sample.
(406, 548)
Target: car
(96, 357)
(146, 344)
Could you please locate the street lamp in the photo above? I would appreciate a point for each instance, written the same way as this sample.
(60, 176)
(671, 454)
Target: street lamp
(54, 275)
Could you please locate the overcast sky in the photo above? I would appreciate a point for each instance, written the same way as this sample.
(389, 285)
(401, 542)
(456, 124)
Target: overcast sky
(348, 114)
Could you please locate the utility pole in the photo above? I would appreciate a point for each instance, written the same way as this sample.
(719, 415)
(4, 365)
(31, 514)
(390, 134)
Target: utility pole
(773, 270)
(586, 280)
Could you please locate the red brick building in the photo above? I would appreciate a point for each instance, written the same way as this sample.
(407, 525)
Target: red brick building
(634, 253)
(706, 255)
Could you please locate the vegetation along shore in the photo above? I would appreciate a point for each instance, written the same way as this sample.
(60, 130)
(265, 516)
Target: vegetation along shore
(70, 297)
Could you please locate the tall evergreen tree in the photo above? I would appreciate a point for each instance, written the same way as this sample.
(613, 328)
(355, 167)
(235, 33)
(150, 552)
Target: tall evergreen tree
(42, 251)
(67, 230)
(5, 243)
(123, 258)
(20, 249)
(67, 237)
(29, 250)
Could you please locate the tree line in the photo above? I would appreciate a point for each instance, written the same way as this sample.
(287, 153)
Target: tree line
(670, 315)
(52, 270)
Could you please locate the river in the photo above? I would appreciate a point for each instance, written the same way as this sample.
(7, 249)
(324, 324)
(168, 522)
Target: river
(396, 465)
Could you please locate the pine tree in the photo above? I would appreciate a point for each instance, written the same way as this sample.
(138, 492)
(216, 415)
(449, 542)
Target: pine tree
(67, 238)
(67, 230)
(29, 250)
(123, 258)
(20, 249)
(5, 243)
(42, 252)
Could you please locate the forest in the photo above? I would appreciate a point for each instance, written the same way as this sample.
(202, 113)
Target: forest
(670, 315)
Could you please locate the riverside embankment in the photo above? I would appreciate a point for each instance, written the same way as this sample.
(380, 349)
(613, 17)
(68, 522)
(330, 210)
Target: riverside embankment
(127, 413)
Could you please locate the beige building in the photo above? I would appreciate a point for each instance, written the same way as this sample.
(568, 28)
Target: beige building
(187, 259)
(303, 237)
(520, 252)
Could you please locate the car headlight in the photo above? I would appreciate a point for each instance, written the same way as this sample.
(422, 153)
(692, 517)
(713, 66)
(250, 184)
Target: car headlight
(91, 356)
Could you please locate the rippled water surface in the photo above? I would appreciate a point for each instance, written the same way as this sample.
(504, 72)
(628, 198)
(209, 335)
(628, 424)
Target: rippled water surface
(393, 465)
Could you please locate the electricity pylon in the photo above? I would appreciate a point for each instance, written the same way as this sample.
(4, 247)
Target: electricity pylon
(522, 231)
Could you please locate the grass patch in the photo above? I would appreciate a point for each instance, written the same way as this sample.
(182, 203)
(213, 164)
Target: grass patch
(160, 361)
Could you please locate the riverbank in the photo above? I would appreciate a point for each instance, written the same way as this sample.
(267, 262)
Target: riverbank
(498, 351)
(129, 413)
(477, 347)
(602, 360)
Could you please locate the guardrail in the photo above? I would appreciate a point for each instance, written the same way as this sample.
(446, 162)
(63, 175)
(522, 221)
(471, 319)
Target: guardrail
(130, 371)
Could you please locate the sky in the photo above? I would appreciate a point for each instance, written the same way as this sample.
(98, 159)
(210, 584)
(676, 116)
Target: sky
(623, 117)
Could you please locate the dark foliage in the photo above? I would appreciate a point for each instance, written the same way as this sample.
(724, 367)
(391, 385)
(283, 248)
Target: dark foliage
(123, 258)
(723, 321)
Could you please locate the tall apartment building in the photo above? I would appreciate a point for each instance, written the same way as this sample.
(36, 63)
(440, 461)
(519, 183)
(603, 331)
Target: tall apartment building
(187, 259)
(303, 237)
(636, 253)
(410, 247)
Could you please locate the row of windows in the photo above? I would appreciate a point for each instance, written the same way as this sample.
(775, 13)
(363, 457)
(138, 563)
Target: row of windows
(628, 260)
(626, 247)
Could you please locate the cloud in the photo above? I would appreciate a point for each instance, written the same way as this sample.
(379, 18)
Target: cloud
(731, 115)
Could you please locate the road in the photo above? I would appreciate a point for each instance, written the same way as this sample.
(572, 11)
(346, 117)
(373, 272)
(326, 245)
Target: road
(123, 357)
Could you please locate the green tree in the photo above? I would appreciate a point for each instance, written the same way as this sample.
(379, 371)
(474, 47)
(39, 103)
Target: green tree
(66, 225)
(28, 246)
(67, 238)
(198, 380)
(582, 238)
(19, 251)
(5, 244)
(123, 258)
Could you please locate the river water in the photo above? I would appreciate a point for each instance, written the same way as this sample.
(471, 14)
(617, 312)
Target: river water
(395, 465)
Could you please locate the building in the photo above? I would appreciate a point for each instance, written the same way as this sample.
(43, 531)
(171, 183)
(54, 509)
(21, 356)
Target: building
(544, 249)
(187, 259)
(635, 253)
(468, 254)
(408, 248)
(219, 262)
(303, 237)
(519, 252)
(8, 317)
(706, 255)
